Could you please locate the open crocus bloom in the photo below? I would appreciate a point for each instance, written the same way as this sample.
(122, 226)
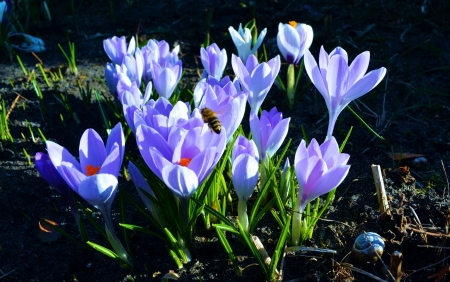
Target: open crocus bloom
(340, 83)
(242, 38)
(319, 169)
(116, 48)
(214, 60)
(226, 102)
(181, 150)
(95, 158)
(269, 131)
(293, 40)
(255, 78)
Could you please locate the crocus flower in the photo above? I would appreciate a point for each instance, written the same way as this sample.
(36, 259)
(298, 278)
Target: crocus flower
(100, 190)
(132, 101)
(180, 148)
(214, 60)
(116, 48)
(158, 51)
(166, 77)
(319, 170)
(269, 131)
(134, 66)
(293, 40)
(242, 39)
(226, 102)
(95, 158)
(244, 174)
(255, 78)
(48, 171)
(340, 83)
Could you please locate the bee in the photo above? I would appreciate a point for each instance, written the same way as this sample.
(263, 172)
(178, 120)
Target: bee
(211, 119)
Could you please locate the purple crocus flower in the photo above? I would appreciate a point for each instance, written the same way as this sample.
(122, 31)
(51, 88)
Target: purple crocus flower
(95, 158)
(340, 83)
(227, 103)
(244, 174)
(214, 60)
(293, 40)
(157, 51)
(166, 77)
(132, 101)
(116, 48)
(181, 150)
(48, 171)
(255, 78)
(134, 67)
(269, 131)
(319, 170)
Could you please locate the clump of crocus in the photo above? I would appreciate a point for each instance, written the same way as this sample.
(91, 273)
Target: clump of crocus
(319, 169)
(244, 174)
(340, 83)
(179, 148)
(214, 60)
(255, 78)
(293, 40)
(242, 39)
(165, 77)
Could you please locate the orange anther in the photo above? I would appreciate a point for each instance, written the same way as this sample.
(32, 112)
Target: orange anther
(92, 170)
(293, 24)
(185, 161)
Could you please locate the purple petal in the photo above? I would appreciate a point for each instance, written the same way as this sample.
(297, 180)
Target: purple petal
(99, 190)
(277, 137)
(245, 173)
(365, 84)
(181, 180)
(358, 68)
(92, 151)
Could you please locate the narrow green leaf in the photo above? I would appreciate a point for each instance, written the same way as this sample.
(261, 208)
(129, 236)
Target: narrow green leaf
(229, 251)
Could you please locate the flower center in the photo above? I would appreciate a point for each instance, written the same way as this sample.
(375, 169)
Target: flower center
(92, 170)
(293, 24)
(185, 161)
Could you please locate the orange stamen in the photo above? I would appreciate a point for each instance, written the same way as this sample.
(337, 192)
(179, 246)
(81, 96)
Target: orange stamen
(293, 24)
(92, 170)
(185, 161)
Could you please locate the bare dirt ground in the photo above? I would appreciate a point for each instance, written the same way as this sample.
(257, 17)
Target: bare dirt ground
(410, 109)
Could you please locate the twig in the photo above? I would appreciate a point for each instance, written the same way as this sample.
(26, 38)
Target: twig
(14, 104)
(440, 235)
(379, 185)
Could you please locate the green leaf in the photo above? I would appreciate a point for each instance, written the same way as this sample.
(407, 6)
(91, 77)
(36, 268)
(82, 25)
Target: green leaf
(228, 250)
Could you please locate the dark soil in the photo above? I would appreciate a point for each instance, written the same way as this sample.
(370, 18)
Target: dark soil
(410, 109)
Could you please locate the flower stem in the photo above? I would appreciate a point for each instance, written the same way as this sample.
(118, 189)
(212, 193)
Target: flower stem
(242, 214)
(296, 222)
(291, 85)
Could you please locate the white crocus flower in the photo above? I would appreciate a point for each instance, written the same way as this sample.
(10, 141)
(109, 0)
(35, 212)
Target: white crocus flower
(243, 41)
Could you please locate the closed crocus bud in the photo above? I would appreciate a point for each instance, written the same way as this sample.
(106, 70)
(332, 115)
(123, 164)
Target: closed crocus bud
(285, 182)
(244, 174)
(214, 60)
(293, 40)
(166, 77)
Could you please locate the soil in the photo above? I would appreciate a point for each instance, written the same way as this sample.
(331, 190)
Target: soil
(410, 109)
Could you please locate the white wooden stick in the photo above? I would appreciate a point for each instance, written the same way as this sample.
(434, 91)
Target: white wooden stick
(379, 185)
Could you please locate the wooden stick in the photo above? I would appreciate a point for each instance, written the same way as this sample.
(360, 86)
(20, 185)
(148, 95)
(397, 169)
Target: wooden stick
(396, 265)
(379, 185)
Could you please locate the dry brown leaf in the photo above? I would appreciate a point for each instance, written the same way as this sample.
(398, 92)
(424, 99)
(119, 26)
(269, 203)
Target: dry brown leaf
(403, 156)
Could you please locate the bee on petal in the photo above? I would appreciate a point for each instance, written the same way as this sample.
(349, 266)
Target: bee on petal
(211, 119)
